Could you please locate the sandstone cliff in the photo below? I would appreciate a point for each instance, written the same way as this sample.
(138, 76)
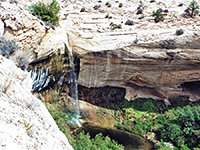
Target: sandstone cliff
(148, 59)
(25, 123)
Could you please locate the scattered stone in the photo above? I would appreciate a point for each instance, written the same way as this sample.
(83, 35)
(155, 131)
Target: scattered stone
(135, 41)
(152, 1)
(161, 10)
(166, 11)
(107, 3)
(168, 44)
(119, 26)
(114, 26)
(140, 10)
(109, 17)
(99, 1)
(179, 31)
(96, 7)
(129, 22)
(180, 4)
(141, 17)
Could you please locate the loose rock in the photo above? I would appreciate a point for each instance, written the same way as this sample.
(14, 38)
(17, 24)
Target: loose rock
(129, 22)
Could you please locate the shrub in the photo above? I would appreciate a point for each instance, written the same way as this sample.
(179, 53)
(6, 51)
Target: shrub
(21, 60)
(99, 142)
(158, 16)
(47, 13)
(120, 5)
(82, 10)
(192, 9)
(182, 126)
(7, 47)
(109, 5)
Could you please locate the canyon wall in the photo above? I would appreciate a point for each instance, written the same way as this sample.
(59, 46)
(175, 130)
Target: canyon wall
(148, 59)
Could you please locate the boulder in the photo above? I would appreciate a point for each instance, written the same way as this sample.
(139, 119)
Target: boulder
(25, 123)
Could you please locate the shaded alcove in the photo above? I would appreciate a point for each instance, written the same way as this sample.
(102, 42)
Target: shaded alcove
(101, 96)
(192, 87)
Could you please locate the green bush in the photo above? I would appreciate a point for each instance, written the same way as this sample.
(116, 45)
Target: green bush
(82, 10)
(47, 13)
(182, 126)
(193, 9)
(99, 142)
(120, 5)
(61, 120)
(158, 15)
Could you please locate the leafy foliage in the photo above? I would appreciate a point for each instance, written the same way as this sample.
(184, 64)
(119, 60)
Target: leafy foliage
(158, 15)
(182, 126)
(120, 5)
(47, 13)
(192, 9)
(140, 115)
(82, 10)
(178, 124)
(61, 120)
(7, 47)
(99, 142)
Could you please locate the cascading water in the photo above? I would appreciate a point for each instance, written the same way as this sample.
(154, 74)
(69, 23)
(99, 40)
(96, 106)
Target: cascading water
(74, 91)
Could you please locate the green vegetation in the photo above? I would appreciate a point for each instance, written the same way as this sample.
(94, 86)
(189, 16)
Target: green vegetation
(61, 119)
(82, 141)
(178, 124)
(47, 13)
(181, 126)
(120, 5)
(140, 115)
(99, 142)
(82, 10)
(28, 126)
(158, 15)
(193, 9)
(113, 25)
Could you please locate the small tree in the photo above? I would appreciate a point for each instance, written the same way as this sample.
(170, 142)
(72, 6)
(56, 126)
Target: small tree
(158, 16)
(192, 9)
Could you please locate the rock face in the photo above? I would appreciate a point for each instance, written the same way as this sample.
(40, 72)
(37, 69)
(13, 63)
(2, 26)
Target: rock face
(146, 69)
(148, 59)
(29, 32)
(25, 122)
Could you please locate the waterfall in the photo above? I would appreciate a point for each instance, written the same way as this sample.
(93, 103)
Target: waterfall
(74, 87)
(74, 90)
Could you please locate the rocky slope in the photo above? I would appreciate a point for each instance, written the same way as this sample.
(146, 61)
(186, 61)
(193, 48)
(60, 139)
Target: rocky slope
(25, 123)
(148, 59)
